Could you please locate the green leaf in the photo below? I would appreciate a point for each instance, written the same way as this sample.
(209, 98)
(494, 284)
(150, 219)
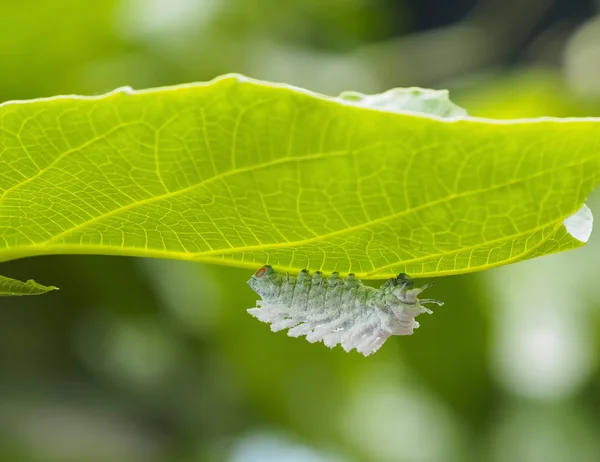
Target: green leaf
(243, 173)
(10, 286)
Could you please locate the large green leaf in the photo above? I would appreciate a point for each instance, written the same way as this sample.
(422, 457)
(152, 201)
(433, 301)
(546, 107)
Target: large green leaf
(243, 173)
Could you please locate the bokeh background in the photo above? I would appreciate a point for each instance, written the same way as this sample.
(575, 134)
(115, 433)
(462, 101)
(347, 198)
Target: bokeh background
(154, 360)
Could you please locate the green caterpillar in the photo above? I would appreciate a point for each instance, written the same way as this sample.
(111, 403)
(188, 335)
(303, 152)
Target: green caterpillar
(338, 311)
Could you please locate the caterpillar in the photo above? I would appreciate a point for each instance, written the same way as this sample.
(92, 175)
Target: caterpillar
(338, 311)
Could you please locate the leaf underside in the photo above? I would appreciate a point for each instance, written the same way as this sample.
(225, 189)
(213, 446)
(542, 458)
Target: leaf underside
(246, 173)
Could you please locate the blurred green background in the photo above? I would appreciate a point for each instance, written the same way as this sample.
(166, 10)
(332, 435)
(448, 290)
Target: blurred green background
(152, 360)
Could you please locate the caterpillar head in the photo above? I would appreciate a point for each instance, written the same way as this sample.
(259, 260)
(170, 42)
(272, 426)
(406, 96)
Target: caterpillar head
(410, 306)
(403, 288)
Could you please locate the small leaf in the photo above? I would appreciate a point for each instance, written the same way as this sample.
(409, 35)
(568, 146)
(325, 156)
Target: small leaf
(10, 286)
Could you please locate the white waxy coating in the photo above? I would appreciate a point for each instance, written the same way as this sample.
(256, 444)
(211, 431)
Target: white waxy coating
(337, 311)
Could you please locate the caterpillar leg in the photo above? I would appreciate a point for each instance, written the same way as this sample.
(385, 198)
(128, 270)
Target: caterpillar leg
(426, 286)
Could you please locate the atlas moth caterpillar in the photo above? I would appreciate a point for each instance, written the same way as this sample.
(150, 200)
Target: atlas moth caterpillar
(338, 311)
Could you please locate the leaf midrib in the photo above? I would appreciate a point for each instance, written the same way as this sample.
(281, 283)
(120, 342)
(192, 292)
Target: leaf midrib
(61, 156)
(187, 189)
(307, 240)
(280, 245)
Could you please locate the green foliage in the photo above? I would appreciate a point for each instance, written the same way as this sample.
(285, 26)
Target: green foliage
(242, 173)
(10, 286)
